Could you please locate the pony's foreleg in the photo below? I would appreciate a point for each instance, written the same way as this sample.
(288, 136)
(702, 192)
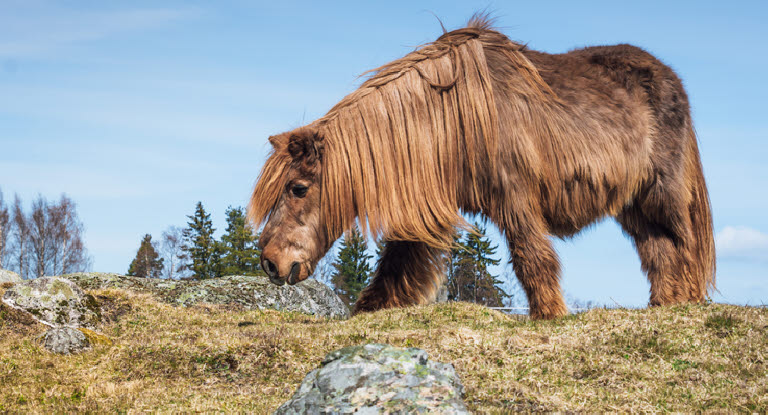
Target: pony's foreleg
(537, 267)
(408, 273)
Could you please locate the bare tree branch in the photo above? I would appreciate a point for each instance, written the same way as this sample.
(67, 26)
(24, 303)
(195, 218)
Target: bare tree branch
(19, 250)
(4, 231)
(48, 241)
(173, 254)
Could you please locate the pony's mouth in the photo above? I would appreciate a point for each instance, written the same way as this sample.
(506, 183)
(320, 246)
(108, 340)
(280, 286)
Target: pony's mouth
(292, 279)
(277, 281)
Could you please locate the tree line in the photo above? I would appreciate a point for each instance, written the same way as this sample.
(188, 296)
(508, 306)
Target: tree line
(45, 240)
(193, 252)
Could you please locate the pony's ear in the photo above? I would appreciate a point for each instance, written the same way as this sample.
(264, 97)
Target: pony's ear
(306, 145)
(279, 141)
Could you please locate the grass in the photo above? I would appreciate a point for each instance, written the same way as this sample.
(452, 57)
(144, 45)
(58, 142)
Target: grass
(161, 358)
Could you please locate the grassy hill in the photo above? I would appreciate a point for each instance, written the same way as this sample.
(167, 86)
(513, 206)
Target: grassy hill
(219, 358)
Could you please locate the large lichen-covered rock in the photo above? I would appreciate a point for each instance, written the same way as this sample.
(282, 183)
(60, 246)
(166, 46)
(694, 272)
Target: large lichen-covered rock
(65, 340)
(310, 296)
(54, 301)
(378, 378)
(9, 276)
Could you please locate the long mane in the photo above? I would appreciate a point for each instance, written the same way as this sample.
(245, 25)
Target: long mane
(402, 152)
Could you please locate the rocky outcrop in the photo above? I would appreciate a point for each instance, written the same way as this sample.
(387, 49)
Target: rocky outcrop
(65, 340)
(378, 378)
(309, 297)
(54, 301)
(9, 276)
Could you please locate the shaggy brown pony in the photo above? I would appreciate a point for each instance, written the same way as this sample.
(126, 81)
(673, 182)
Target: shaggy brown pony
(542, 145)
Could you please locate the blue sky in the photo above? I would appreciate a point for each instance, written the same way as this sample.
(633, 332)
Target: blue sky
(137, 110)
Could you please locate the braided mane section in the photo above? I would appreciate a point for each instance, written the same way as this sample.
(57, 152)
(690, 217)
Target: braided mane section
(406, 149)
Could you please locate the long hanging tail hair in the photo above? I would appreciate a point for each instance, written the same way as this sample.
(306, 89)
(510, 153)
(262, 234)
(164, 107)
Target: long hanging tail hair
(701, 218)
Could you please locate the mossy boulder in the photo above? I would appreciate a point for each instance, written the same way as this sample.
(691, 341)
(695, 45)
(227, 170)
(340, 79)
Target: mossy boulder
(251, 293)
(65, 340)
(378, 378)
(54, 301)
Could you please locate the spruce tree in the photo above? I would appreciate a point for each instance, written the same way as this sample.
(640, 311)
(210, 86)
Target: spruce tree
(239, 246)
(202, 250)
(352, 267)
(147, 263)
(453, 280)
(216, 265)
(468, 275)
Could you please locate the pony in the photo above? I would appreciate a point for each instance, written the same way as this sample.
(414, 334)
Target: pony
(542, 145)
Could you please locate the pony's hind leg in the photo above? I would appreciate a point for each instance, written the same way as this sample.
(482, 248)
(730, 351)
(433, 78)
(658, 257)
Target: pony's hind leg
(665, 257)
(408, 273)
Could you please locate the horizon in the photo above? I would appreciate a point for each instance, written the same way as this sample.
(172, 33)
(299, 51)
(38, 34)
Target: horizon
(137, 111)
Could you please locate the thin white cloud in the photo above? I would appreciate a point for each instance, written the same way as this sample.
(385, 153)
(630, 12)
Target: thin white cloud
(742, 243)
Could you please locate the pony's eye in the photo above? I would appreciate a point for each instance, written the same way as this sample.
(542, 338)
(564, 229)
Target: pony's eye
(299, 190)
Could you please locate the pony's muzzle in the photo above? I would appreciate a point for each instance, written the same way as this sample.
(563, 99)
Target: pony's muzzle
(273, 272)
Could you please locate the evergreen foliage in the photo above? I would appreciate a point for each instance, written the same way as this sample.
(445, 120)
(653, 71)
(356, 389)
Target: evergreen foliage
(380, 242)
(216, 264)
(147, 263)
(468, 275)
(202, 249)
(352, 268)
(239, 245)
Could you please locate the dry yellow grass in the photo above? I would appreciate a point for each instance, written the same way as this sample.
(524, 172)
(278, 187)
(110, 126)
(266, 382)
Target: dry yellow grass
(213, 358)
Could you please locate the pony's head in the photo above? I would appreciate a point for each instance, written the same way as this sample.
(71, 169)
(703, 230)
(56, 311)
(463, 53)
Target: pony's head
(287, 196)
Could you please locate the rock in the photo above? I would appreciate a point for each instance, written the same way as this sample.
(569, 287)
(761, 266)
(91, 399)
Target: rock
(54, 301)
(65, 340)
(9, 276)
(378, 378)
(309, 297)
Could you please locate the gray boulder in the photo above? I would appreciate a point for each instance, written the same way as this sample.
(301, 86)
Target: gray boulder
(9, 276)
(54, 301)
(378, 378)
(309, 297)
(65, 340)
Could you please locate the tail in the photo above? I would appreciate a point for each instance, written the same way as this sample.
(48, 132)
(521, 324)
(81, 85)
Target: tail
(703, 248)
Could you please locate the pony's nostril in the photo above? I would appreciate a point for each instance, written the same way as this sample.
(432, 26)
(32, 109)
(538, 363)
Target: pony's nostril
(269, 267)
(295, 268)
